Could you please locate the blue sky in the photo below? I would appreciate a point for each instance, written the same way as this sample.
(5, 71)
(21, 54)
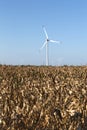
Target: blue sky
(21, 33)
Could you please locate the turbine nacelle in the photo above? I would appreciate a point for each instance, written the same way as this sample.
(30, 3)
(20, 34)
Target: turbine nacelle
(47, 40)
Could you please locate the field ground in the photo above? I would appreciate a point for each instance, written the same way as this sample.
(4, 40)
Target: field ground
(43, 98)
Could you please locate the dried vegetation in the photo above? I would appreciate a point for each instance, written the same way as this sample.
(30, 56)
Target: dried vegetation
(43, 98)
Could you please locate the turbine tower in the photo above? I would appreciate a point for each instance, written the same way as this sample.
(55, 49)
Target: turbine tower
(46, 44)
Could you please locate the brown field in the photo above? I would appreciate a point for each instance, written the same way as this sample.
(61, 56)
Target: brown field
(43, 98)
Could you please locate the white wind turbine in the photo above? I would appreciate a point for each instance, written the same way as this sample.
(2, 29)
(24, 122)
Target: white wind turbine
(46, 44)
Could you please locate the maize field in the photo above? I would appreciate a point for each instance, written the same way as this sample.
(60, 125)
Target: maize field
(43, 97)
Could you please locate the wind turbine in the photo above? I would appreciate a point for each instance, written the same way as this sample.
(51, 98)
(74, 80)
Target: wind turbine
(46, 44)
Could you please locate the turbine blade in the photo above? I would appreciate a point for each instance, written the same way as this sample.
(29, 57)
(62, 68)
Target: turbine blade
(55, 41)
(45, 32)
(43, 45)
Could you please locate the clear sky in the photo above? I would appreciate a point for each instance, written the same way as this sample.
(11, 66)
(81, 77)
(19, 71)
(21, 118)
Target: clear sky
(21, 33)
